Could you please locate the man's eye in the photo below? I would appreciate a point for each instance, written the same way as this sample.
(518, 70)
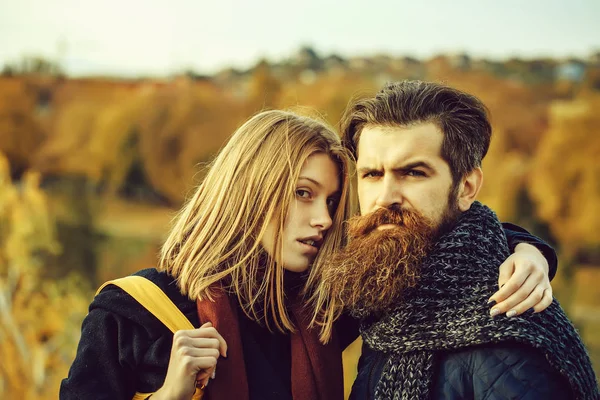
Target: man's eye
(305, 194)
(416, 172)
(371, 174)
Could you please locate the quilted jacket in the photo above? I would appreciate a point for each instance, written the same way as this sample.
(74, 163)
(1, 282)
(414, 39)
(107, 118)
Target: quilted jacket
(490, 372)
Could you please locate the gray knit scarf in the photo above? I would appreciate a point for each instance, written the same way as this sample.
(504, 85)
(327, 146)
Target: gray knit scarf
(448, 310)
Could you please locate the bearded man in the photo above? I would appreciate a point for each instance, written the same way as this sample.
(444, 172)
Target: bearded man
(423, 255)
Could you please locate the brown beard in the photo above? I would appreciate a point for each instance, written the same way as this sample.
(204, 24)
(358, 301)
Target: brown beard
(377, 266)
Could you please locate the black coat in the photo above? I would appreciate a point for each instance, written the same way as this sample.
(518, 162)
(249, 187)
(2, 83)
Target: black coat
(490, 372)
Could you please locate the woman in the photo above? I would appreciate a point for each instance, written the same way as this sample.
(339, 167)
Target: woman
(236, 263)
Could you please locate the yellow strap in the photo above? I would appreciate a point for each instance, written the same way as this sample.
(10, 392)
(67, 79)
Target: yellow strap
(142, 396)
(154, 300)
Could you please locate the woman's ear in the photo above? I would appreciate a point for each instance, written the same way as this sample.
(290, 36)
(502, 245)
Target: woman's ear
(469, 188)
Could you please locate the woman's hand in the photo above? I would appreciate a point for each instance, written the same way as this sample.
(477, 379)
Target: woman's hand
(523, 282)
(194, 356)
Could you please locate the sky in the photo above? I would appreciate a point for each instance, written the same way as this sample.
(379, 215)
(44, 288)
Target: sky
(160, 37)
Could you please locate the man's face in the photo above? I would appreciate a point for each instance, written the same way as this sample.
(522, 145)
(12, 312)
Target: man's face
(403, 166)
(406, 202)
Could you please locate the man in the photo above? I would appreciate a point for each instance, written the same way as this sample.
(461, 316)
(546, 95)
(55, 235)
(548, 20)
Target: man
(423, 255)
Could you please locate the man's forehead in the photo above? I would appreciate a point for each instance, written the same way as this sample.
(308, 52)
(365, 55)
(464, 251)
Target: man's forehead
(396, 143)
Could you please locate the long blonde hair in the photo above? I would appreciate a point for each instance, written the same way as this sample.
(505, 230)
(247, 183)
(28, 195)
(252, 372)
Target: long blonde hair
(215, 240)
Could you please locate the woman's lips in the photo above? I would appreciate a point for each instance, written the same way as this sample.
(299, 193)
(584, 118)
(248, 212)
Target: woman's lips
(307, 248)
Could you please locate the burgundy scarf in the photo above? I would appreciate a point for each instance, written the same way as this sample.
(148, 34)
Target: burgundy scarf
(316, 368)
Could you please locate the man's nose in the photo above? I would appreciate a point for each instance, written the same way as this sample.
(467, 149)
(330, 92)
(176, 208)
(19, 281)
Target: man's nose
(390, 193)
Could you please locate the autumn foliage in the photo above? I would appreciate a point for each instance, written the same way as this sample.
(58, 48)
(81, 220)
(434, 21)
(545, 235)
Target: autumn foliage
(565, 179)
(92, 170)
(39, 317)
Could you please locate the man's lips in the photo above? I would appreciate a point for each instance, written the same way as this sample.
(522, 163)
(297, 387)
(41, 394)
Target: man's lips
(387, 226)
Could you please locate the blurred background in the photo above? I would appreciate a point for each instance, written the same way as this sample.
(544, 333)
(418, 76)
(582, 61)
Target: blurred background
(109, 111)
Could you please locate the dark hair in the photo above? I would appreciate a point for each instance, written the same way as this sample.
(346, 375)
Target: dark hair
(462, 118)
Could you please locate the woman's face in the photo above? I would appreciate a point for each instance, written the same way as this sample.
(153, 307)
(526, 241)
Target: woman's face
(309, 216)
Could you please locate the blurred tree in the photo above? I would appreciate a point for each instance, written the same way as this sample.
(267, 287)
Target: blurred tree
(328, 94)
(592, 78)
(564, 179)
(91, 138)
(20, 131)
(307, 58)
(8, 70)
(505, 171)
(264, 90)
(35, 65)
(183, 126)
(567, 189)
(39, 318)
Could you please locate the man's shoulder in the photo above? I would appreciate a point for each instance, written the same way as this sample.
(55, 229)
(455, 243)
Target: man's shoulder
(507, 353)
(498, 369)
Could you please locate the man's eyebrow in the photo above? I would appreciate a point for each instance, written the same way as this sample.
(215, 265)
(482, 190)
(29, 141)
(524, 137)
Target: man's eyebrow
(406, 167)
(416, 164)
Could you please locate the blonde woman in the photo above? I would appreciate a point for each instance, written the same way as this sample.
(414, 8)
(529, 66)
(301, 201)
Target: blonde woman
(240, 256)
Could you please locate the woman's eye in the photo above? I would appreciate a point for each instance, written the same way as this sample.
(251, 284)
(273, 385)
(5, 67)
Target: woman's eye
(305, 194)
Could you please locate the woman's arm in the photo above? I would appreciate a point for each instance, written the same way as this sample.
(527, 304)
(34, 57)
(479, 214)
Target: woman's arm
(517, 235)
(103, 368)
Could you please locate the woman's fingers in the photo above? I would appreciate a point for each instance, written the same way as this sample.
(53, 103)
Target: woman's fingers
(193, 359)
(518, 299)
(199, 353)
(532, 300)
(205, 336)
(208, 331)
(518, 287)
(545, 302)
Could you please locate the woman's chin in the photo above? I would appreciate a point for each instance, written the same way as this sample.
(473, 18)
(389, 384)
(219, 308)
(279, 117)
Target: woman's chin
(297, 267)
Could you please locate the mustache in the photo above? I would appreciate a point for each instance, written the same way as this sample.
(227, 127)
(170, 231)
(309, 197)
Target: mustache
(394, 215)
